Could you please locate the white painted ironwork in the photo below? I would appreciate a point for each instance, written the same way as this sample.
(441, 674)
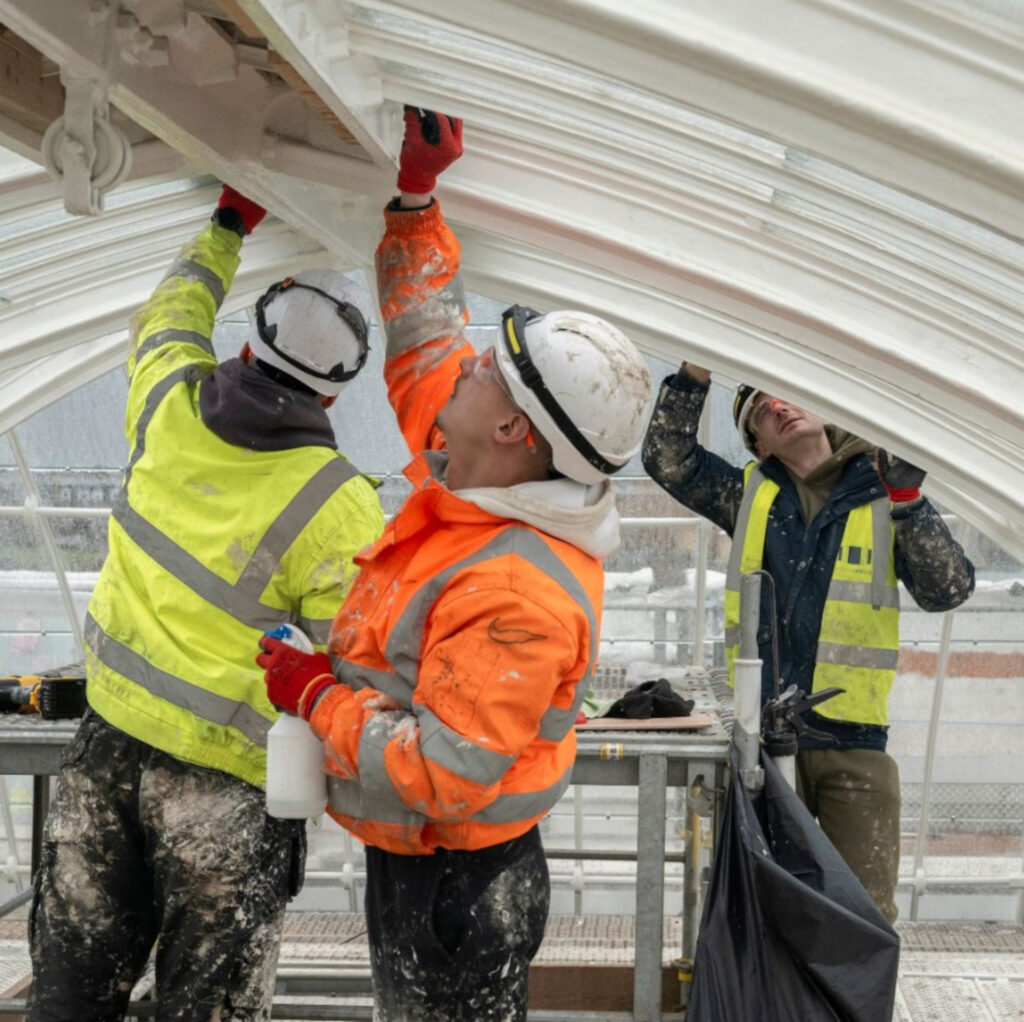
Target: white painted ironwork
(821, 196)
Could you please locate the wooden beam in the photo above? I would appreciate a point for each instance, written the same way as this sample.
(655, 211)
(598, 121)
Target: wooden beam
(235, 13)
(26, 96)
(589, 987)
(298, 84)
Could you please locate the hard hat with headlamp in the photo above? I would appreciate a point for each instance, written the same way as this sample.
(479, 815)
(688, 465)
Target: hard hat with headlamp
(311, 327)
(583, 384)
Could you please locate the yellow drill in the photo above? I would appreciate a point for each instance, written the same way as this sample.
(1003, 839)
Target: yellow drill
(54, 695)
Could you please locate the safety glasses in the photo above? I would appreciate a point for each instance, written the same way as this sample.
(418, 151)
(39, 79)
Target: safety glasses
(485, 368)
(760, 413)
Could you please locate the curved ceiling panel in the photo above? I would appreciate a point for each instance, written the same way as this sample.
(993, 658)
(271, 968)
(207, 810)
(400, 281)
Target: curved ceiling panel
(820, 196)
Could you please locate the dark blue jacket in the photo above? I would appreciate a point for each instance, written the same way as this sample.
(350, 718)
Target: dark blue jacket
(800, 555)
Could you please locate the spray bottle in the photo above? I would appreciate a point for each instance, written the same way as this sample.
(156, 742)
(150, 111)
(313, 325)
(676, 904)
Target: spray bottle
(296, 782)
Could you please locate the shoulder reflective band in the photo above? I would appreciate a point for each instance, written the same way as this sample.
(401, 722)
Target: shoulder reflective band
(513, 331)
(352, 317)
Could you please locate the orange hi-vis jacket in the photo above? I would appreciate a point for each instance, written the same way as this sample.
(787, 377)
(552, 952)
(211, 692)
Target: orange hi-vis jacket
(469, 637)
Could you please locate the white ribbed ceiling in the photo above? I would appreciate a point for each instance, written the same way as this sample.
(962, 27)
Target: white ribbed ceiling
(825, 197)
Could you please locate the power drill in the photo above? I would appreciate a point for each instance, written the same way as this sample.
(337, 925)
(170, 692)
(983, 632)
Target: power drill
(54, 695)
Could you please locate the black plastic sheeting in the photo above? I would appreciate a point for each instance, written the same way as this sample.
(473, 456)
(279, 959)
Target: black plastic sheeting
(788, 933)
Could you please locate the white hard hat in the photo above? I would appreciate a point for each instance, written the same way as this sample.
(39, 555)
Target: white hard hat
(583, 384)
(312, 327)
(742, 406)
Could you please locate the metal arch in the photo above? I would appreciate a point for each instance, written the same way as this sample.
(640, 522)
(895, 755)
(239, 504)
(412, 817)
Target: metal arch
(822, 197)
(72, 283)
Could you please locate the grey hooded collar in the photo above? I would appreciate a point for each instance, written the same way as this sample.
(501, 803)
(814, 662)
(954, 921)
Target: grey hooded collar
(247, 409)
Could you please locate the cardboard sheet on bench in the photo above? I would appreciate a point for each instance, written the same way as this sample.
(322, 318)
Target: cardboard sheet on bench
(691, 723)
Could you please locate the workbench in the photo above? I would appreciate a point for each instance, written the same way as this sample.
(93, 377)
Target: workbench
(650, 762)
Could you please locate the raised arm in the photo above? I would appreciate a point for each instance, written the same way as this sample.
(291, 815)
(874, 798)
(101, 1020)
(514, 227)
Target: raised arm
(929, 561)
(698, 479)
(422, 301)
(174, 326)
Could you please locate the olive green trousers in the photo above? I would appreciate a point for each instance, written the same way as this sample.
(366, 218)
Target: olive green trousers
(855, 796)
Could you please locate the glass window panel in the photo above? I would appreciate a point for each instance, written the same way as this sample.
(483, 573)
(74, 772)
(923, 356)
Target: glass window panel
(35, 633)
(83, 430)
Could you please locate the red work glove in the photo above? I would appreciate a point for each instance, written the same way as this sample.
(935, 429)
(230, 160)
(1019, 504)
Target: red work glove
(294, 679)
(432, 142)
(247, 210)
(901, 479)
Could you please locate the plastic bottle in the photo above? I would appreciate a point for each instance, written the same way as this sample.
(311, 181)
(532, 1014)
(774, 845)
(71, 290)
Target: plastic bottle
(296, 782)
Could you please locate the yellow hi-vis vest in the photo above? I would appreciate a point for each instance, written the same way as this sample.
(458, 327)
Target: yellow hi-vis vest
(858, 643)
(210, 544)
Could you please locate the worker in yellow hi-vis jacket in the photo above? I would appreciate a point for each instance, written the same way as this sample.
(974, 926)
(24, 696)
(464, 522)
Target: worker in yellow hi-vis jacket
(237, 513)
(835, 523)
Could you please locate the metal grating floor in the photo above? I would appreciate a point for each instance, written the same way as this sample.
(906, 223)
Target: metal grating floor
(14, 963)
(949, 972)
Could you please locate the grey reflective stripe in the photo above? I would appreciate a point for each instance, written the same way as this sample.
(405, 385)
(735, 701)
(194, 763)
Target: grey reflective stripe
(881, 536)
(739, 532)
(383, 802)
(189, 269)
(353, 798)
(172, 336)
(407, 632)
(732, 635)
(240, 599)
(441, 745)
(184, 374)
(288, 525)
(357, 676)
(857, 656)
(557, 723)
(319, 629)
(863, 592)
(441, 315)
(524, 806)
(347, 798)
(198, 701)
(206, 584)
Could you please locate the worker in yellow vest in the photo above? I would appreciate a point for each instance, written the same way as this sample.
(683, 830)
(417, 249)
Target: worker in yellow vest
(836, 524)
(236, 514)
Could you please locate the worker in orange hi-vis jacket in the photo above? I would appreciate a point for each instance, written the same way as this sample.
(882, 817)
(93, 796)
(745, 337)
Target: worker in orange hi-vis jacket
(460, 658)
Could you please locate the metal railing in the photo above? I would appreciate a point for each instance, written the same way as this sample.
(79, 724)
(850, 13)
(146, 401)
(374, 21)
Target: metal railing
(700, 646)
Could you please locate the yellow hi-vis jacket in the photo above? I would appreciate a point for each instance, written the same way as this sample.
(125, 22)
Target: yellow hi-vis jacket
(858, 643)
(210, 543)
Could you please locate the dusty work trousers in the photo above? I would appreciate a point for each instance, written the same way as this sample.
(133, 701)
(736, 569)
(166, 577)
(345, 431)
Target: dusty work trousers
(855, 794)
(452, 934)
(139, 848)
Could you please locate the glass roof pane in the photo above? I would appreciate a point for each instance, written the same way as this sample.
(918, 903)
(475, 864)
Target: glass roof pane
(35, 633)
(84, 430)
(12, 490)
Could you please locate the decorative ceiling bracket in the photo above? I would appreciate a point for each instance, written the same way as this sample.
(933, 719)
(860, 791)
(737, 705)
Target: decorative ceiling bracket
(82, 150)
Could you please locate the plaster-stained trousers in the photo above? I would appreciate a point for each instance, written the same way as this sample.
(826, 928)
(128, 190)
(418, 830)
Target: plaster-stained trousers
(452, 934)
(132, 829)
